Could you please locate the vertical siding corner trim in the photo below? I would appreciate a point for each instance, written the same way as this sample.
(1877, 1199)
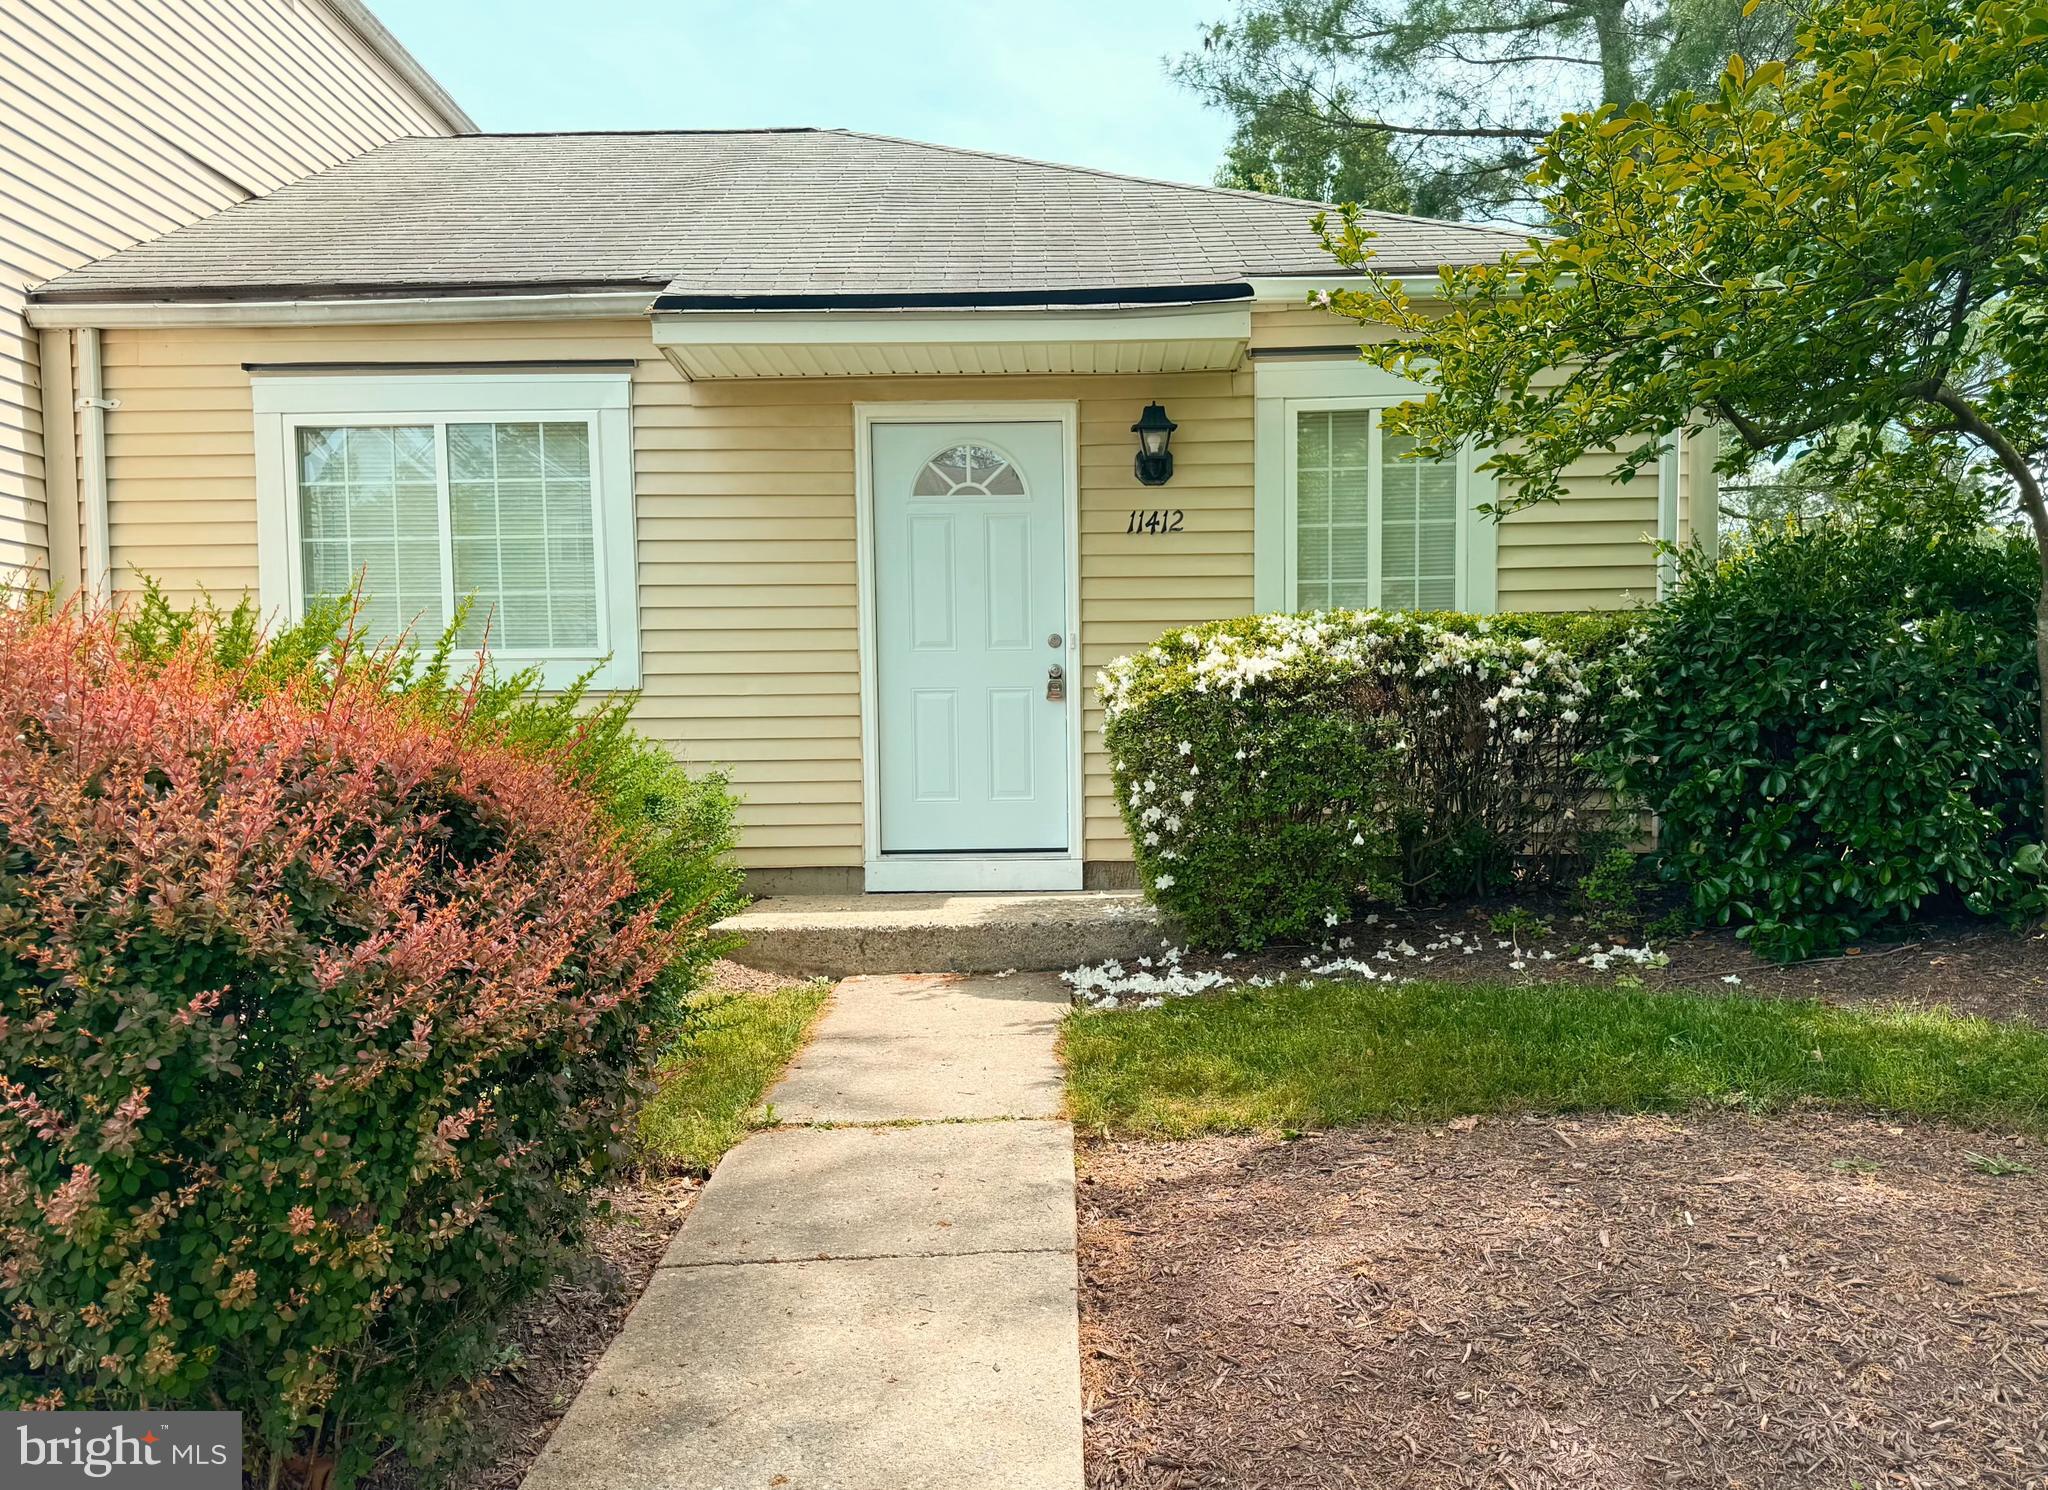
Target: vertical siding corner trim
(93, 405)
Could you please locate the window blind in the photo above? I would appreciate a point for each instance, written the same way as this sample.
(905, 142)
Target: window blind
(1418, 529)
(1333, 532)
(426, 515)
(371, 508)
(1373, 525)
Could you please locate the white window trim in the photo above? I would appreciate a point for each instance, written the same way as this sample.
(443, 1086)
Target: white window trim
(1280, 391)
(285, 401)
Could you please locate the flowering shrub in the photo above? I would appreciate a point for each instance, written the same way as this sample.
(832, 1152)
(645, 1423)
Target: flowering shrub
(1275, 769)
(1842, 730)
(319, 1017)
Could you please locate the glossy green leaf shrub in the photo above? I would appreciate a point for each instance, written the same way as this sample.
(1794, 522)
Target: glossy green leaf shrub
(1835, 725)
(1274, 771)
(320, 1016)
(1839, 251)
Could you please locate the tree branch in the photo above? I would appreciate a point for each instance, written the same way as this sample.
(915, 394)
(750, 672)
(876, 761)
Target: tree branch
(1517, 58)
(1752, 434)
(1971, 421)
(1444, 132)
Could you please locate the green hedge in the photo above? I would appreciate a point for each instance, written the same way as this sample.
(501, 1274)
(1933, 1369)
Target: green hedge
(1277, 769)
(1836, 725)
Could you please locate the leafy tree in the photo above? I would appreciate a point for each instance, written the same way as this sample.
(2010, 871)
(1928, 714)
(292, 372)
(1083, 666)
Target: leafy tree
(1288, 148)
(1892, 482)
(1439, 105)
(1853, 247)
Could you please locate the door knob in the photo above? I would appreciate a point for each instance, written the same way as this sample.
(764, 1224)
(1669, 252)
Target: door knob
(1055, 683)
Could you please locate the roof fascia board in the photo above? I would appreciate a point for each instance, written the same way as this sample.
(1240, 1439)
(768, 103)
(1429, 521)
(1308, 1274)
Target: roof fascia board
(1293, 289)
(112, 315)
(360, 19)
(857, 328)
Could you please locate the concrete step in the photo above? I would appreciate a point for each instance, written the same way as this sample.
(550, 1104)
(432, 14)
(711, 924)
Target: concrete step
(838, 936)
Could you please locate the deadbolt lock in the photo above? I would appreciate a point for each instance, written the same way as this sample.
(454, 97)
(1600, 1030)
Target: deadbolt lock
(1054, 640)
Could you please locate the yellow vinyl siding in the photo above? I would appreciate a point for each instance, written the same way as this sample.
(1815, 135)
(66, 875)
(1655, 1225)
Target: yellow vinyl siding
(748, 592)
(123, 119)
(24, 509)
(1592, 549)
(1135, 586)
(1302, 328)
(745, 524)
(60, 466)
(748, 589)
(750, 484)
(1700, 520)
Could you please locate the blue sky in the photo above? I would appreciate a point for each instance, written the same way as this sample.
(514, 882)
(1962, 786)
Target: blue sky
(1081, 81)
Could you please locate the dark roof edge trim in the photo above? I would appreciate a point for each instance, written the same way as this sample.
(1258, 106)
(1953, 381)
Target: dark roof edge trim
(968, 299)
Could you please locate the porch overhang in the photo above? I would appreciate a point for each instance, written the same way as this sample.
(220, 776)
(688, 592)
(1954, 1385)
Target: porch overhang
(954, 342)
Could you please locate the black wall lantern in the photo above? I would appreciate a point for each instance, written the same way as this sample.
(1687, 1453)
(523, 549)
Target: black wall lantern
(1154, 430)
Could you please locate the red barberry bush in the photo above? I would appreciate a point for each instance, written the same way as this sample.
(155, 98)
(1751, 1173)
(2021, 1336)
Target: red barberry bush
(320, 1016)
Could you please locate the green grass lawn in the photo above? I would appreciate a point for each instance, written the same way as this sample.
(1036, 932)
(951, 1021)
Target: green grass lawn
(715, 1077)
(1280, 1060)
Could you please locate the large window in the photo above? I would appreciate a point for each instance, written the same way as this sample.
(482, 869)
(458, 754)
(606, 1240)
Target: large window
(1347, 515)
(1373, 526)
(510, 494)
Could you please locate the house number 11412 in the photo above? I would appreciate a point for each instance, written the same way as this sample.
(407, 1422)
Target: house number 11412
(1156, 520)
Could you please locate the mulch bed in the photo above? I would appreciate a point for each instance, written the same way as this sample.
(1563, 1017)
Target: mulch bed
(1964, 965)
(1968, 965)
(1812, 1300)
(558, 1337)
(737, 977)
(555, 1340)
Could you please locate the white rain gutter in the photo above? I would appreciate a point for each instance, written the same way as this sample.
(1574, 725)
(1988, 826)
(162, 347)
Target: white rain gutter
(371, 311)
(144, 314)
(1294, 289)
(92, 405)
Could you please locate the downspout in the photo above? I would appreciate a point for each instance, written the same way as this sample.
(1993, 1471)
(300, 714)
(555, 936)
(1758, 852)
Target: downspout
(92, 465)
(1667, 541)
(1667, 516)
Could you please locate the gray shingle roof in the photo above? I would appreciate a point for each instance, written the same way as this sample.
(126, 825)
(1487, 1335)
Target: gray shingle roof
(703, 216)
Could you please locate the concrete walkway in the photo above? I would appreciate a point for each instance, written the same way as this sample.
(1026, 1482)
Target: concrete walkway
(853, 1306)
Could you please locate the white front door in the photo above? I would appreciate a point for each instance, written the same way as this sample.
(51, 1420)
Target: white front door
(970, 574)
